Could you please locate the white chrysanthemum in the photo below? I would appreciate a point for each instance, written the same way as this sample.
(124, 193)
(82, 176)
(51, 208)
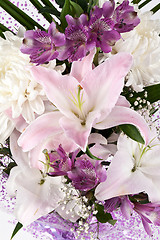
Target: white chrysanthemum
(19, 92)
(144, 44)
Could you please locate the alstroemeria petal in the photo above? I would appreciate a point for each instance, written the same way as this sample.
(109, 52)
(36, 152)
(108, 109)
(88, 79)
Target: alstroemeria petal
(124, 115)
(41, 128)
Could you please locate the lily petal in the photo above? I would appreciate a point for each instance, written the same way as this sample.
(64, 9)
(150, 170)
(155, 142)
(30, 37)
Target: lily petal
(104, 83)
(58, 88)
(124, 115)
(42, 127)
(80, 68)
(121, 181)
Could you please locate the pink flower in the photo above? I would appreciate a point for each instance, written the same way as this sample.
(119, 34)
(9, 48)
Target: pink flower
(87, 97)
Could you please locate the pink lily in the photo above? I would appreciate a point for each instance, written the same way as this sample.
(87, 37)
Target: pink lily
(44, 133)
(87, 97)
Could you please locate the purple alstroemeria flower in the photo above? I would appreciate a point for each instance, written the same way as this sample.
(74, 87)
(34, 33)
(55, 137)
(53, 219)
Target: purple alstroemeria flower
(101, 30)
(86, 174)
(78, 43)
(60, 162)
(42, 46)
(125, 17)
(149, 213)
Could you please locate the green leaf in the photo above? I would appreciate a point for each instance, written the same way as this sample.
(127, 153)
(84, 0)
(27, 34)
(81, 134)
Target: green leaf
(83, 4)
(76, 9)
(5, 151)
(91, 4)
(71, 8)
(9, 167)
(91, 155)
(17, 228)
(153, 95)
(132, 132)
(60, 3)
(102, 216)
(144, 3)
(1, 34)
(136, 1)
(47, 3)
(50, 10)
(19, 15)
(38, 6)
(156, 8)
(3, 28)
(65, 10)
(112, 221)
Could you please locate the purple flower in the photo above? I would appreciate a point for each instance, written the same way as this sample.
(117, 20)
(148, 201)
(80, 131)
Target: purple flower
(42, 46)
(78, 43)
(60, 162)
(101, 30)
(86, 175)
(150, 213)
(112, 204)
(125, 17)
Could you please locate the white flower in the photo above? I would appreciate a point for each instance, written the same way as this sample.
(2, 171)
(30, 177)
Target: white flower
(36, 193)
(135, 168)
(144, 44)
(19, 92)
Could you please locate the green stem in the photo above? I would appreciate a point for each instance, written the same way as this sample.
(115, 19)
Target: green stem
(47, 3)
(91, 155)
(19, 15)
(38, 6)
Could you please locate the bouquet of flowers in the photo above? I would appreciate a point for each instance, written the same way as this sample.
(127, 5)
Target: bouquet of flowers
(78, 111)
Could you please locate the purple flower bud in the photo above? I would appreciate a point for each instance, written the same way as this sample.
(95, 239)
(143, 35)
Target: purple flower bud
(108, 8)
(60, 162)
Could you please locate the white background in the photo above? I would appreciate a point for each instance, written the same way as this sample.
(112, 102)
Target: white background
(7, 228)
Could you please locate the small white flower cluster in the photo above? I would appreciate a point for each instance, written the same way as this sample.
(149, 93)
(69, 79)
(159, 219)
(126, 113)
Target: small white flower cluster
(73, 206)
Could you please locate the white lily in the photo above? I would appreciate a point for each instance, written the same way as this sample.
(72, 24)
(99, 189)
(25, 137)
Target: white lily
(36, 193)
(134, 168)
